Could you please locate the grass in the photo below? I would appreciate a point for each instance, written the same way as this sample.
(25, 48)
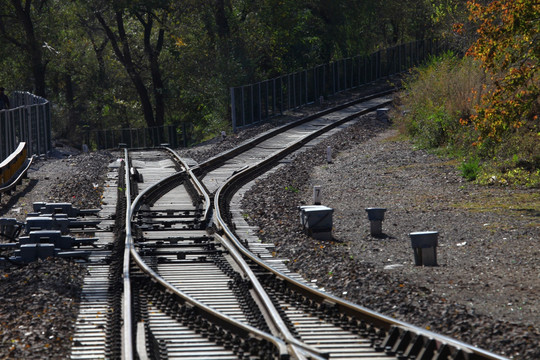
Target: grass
(292, 189)
(525, 204)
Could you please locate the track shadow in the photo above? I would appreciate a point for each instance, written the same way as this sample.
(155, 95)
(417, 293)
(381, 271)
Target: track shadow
(14, 198)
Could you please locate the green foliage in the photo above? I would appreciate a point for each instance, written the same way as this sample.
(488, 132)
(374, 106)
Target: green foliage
(292, 189)
(470, 169)
(206, 48)
(509, 51)
(516, 177)
(436, 97)
(429, 126)
(436, 108)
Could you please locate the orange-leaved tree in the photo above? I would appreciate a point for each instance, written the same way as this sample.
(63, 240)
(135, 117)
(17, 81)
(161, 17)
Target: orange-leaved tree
(508, 46)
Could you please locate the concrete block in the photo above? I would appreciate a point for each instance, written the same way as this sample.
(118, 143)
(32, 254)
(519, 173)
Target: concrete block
(376, 217)
(47, 223)
(317, 221)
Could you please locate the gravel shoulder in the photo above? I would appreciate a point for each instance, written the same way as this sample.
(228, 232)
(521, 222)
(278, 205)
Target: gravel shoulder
(486, 287)
(40, 301)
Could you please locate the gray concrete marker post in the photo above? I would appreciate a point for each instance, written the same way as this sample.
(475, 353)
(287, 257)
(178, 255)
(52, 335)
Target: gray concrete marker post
(329, 154)
(317, 195)
(376, 217)
(424, 245)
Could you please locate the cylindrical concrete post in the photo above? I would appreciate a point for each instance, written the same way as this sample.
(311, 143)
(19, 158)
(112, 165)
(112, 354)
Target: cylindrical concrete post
(376, 217)
(328, 154)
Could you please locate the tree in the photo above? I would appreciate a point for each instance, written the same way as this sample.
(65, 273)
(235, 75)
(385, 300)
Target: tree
(117, 20)
(508, 46)
(20, 25)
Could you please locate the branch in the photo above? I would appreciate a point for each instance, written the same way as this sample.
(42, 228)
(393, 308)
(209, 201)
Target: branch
(111, 36)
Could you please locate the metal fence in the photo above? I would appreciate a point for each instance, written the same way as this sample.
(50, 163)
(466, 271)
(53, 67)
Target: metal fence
(134, 138)
(254, 103)
(28, 120)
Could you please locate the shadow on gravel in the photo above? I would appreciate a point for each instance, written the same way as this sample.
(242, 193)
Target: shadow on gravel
(14, 199)
(382, 236)
(528, 212)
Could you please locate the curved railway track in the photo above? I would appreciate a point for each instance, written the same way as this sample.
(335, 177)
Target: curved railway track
(192, 288)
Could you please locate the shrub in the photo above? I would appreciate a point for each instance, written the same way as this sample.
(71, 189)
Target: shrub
(437, 97)
(470, 169)
(438, 109)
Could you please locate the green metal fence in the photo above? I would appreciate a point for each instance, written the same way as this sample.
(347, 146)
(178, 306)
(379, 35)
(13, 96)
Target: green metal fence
(254, 103)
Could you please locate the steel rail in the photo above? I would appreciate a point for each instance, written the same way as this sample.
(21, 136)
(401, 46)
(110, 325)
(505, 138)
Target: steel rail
(248, 144)
(272, 312)
(221, 224)
(383, 321)
(227, 237)
(211, 313)
(198, 185)
(127, 336)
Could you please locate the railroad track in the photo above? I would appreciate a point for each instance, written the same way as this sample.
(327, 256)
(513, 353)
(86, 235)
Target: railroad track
(191, 288)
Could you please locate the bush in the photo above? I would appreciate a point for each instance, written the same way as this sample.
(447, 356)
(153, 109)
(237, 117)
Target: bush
(435, 109)
(437, 97)
(470, 169)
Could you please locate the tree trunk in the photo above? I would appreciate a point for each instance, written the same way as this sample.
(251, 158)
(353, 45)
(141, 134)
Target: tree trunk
(32, 46)
(124, 56)
(153, 59)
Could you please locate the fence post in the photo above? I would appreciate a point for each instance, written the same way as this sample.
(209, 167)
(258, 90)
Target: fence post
(287, 90)
(294, 91)
(3, 135)
(233, 110)
(266, 114)
(259, 105)
(274, 96)
(243, 107)
(9, 142)
(306, 100)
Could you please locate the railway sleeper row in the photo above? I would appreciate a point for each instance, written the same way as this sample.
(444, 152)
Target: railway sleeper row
(217, 334)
